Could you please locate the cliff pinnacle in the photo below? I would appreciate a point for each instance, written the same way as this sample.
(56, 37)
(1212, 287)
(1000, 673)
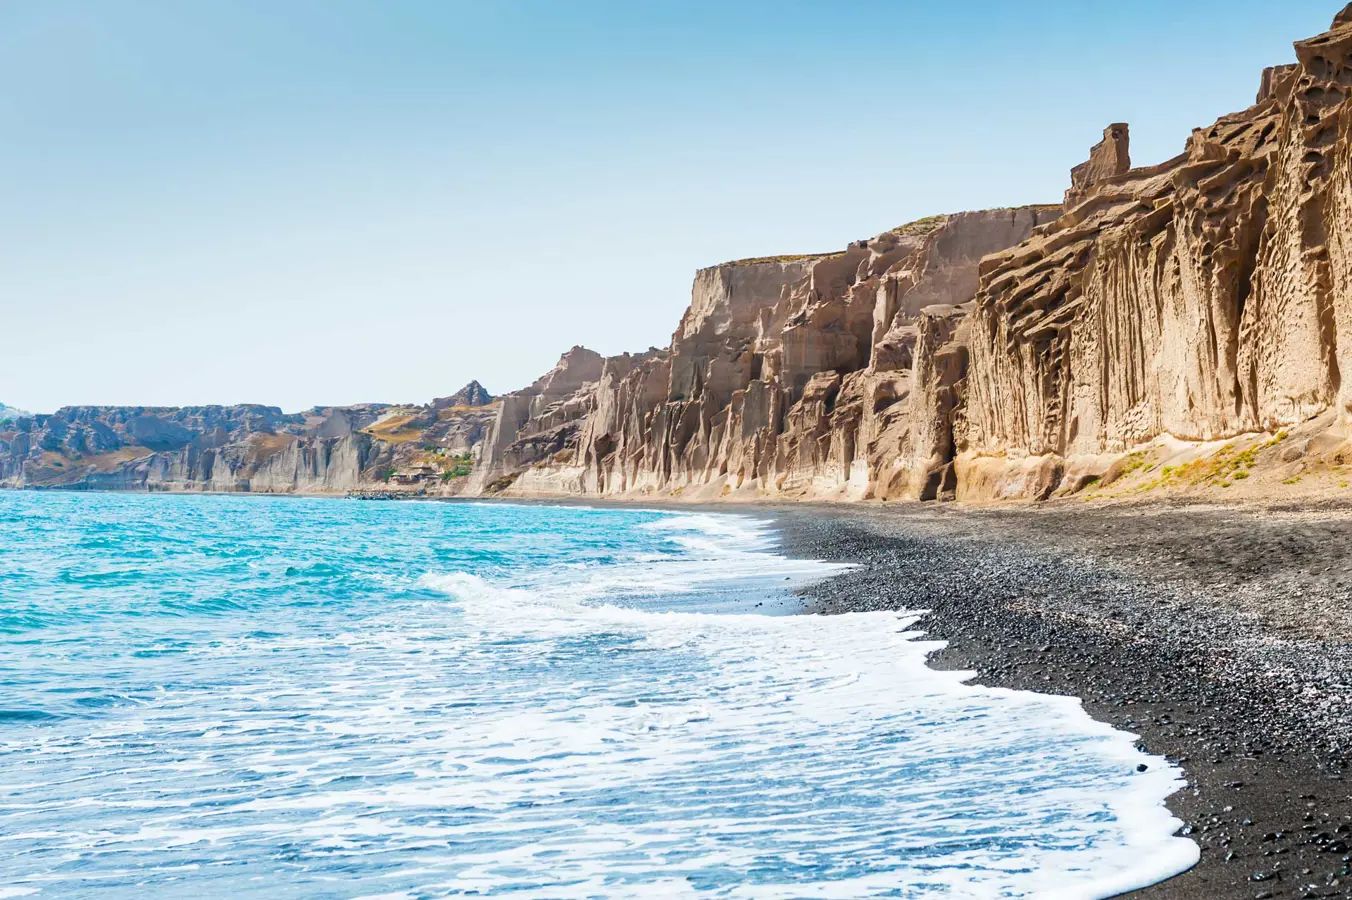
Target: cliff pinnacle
(472, 394)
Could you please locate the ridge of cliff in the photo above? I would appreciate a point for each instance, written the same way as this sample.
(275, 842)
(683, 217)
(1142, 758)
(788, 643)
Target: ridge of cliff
(10, 413)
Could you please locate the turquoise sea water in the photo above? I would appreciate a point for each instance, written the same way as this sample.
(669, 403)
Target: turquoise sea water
(244, 697)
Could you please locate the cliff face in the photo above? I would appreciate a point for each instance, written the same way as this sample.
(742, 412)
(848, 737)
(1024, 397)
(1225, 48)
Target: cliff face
(1202, 298)
(792, 376)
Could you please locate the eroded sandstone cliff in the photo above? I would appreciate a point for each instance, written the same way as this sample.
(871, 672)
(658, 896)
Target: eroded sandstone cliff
(813, 376)
(1203, 298)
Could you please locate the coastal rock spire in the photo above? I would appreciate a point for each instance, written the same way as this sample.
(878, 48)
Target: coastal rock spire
(471, 395)
(1109, 158)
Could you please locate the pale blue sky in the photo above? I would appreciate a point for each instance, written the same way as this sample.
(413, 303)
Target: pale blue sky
(301, 202)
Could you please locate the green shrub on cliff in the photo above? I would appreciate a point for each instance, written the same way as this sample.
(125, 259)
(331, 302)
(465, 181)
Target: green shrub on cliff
(459, 466)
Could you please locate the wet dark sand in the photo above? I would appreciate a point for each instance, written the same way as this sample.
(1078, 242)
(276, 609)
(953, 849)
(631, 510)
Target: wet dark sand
(1222, 636)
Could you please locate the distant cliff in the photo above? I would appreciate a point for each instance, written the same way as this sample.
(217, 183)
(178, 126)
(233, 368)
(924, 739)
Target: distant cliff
(428, 449)
(10, 413)
(1176, 325)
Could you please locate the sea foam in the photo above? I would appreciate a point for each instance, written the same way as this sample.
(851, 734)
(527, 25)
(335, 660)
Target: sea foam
(542, 702)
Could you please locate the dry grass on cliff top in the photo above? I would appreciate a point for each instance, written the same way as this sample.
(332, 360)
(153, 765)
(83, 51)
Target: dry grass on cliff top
(451, 412)
(392, 428)
(923, 226)
(53, 468)
(927, 225)
(266, 446)
(786, 258)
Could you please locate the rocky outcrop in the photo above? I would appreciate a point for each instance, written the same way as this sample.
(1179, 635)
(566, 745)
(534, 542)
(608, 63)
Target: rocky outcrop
(538, 422)
(792, 376)
(1109, 158)
(472, 394)
(1201, 298)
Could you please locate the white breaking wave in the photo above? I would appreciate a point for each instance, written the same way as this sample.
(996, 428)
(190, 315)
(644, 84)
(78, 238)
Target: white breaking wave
(716, 553)
(828, 684)
(562, 732)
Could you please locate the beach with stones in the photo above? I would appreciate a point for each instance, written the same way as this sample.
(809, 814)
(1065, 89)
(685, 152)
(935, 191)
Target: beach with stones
(1221, 635)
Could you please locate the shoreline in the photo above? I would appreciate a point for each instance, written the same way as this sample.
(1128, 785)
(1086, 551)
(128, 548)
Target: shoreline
(1220, 636)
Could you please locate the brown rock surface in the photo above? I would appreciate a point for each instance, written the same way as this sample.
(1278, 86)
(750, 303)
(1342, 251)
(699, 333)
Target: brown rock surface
(1201, 298)
(829, 375)
(1108, 159)
(1193, 301)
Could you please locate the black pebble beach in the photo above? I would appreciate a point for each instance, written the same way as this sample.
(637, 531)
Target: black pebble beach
(1219, 635)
